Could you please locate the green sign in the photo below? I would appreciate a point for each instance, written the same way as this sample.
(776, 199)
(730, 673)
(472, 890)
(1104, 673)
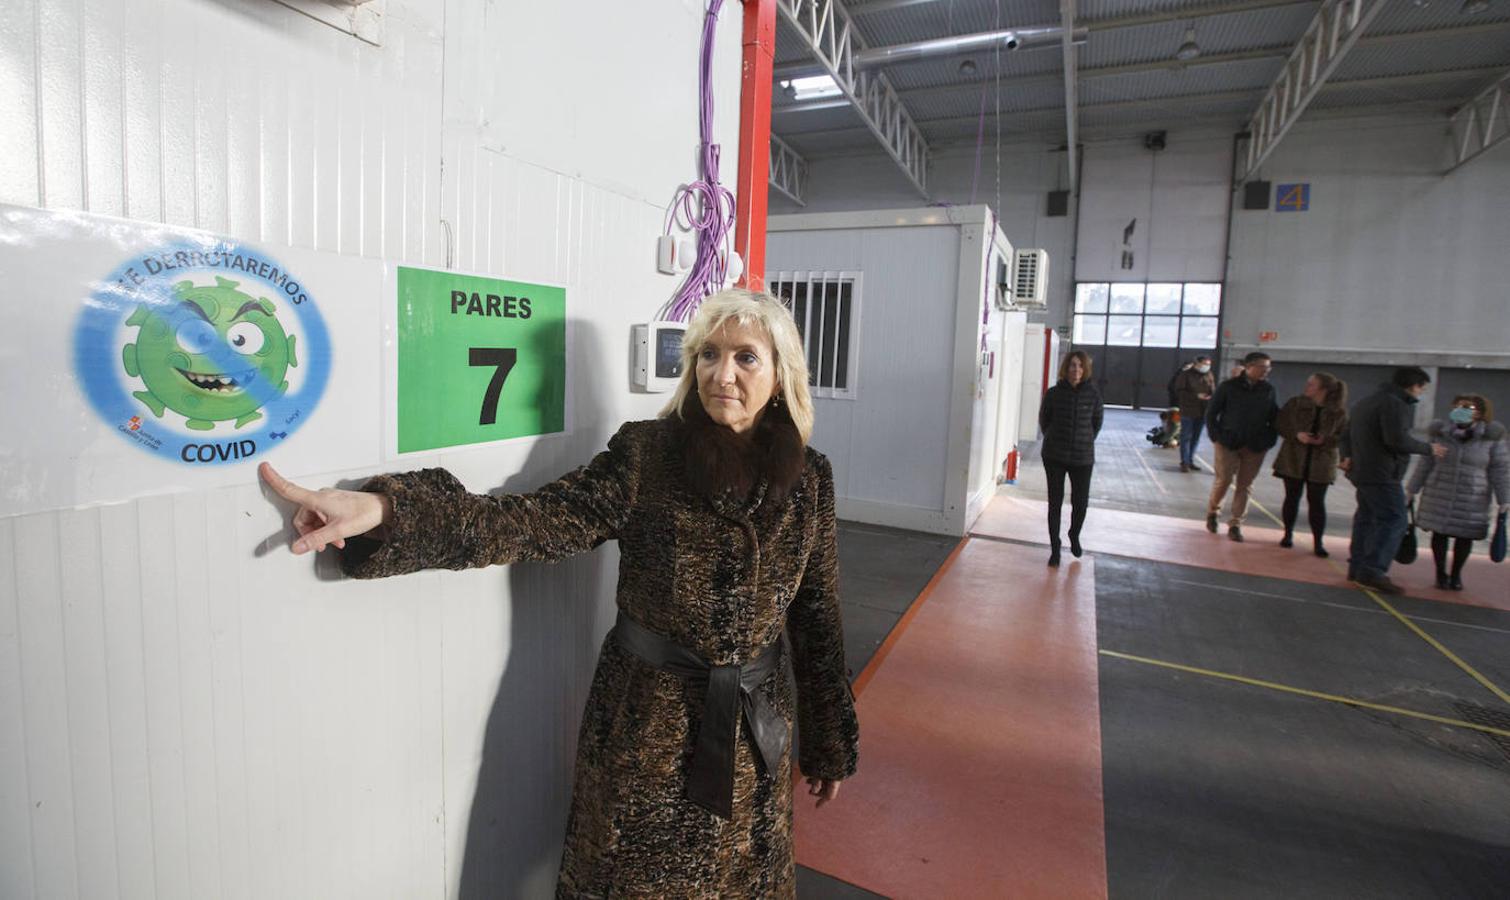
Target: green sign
(479, 359)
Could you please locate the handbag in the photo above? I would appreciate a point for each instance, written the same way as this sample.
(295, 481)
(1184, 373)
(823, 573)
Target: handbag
(1406, 554)
(1497, 545)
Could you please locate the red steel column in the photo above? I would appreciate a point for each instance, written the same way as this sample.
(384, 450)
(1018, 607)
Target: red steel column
(754, 139)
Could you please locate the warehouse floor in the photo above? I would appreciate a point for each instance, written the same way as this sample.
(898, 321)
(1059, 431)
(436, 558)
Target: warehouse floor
(1254, 726)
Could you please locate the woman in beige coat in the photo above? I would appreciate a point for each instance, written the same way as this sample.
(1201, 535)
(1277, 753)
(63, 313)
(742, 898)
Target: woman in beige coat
(1311, 426)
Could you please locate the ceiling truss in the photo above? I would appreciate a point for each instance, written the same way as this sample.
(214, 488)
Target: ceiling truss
(1332, 33)
(788, 171)
(1482, 123)
(831, 37)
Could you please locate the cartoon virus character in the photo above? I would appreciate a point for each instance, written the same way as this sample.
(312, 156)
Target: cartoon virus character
(212, 355)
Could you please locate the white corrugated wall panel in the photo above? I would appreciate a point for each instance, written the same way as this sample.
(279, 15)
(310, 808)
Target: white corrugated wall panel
(186, 710)
(1391, 255)
(890, 445)
(1178, 197)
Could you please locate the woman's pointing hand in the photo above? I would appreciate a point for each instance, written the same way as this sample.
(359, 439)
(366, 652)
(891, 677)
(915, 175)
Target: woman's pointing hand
(328, 516)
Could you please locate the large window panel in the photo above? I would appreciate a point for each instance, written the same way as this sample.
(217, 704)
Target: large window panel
(1126, 298)
(1161, 331)
(1090, 298)
(1124, 331)
(1089, 330)
(1163, 299)
(1203, 299)
(1198, 332)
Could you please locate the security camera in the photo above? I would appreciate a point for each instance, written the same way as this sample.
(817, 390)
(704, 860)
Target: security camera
(1154, 140)
(1012, 42)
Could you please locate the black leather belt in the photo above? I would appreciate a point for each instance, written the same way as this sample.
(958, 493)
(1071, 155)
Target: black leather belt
(728, 691)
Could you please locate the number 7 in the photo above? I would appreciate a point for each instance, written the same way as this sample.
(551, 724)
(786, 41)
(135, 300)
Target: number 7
(503, 358)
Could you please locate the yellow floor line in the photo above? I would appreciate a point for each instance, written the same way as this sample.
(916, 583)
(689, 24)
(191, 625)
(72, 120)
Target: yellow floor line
(1316, 695)
(1456, 660)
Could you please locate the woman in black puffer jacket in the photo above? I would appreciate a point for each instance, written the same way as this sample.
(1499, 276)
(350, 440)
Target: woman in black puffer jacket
(1070, 417)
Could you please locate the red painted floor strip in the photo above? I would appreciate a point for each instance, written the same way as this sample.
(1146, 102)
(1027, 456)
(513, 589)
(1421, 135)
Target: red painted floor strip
(901, 627)
(1186, 542)
(980, 759)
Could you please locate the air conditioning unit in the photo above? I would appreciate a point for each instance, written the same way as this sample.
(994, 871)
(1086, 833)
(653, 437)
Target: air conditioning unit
(1030, 277)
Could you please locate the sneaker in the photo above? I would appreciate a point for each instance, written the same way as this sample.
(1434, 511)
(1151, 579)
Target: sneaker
(1235, 533)
(1380, 583)
(1442, 581)
(1455, 583)
(1184, 467)
(1211, 522)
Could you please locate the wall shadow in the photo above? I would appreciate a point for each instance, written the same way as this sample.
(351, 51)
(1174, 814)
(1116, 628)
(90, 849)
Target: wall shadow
(519, 809)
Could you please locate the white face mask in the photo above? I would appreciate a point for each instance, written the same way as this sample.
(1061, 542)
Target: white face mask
(1203, 368)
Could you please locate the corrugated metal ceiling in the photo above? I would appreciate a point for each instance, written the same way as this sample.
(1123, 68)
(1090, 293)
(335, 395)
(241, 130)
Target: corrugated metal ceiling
(946, 103)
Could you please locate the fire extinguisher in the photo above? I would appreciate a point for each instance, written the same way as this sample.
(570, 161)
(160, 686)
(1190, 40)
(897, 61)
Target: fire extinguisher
(1009, 468)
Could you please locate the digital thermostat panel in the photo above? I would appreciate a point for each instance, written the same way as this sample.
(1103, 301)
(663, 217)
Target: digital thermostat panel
(658, 355)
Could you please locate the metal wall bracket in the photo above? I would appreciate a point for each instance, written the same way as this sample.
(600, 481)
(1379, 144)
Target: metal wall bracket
(830, 35)
(788, 171)
(1337, 26)
(1482, 123)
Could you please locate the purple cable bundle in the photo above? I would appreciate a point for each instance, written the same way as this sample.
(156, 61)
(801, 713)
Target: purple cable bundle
(704, 206)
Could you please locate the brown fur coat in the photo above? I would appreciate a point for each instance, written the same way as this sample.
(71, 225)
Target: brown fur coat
(722, 575)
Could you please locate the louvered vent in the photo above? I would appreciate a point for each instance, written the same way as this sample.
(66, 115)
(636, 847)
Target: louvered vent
(1030, 275)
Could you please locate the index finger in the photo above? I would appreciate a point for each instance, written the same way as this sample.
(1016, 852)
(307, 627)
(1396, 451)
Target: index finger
(282, 486)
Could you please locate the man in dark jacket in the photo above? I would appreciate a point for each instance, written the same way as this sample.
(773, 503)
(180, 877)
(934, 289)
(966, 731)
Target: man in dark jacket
(1376, 450)
(1240, 419)
(1193, 388)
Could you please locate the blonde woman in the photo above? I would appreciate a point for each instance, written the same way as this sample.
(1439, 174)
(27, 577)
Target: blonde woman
(725, 523)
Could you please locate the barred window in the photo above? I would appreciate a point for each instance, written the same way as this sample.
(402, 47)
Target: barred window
(826, 307)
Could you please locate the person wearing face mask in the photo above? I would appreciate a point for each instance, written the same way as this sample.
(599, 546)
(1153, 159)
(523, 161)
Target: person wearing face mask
(1070, 416)
(1193, 388)
(724, 517)
(1455, 490)
(1311, 427)
(1376, 448)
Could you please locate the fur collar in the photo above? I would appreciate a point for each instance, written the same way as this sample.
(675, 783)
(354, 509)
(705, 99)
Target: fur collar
(718, 462)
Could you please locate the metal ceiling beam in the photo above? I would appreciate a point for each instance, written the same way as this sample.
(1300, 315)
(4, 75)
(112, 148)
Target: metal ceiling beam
(1382, 81)
(966, 141)
(1050, 79)
(831, 37)
(1332, 33)
(876, 6)
(1482, 123)
(955, 45)
(1185, 15)
(1189, 15)
(788, 171)
(1071, 101)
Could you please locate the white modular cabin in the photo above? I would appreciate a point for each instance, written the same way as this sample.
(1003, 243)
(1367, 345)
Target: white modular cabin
(908, 319)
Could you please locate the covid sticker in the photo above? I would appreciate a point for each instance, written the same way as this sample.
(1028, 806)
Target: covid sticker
(202, 352)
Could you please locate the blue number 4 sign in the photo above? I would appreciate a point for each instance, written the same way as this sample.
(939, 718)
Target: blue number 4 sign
(1292, 198)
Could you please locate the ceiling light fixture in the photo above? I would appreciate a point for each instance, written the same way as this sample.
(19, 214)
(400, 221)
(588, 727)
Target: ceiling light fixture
(1472, 7)
(1190, 49)
(968, 68)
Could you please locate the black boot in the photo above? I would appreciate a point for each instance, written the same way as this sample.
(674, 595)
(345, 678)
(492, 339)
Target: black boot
(1054, 554)
(1320, 550)
(1075, 548)
(1288, 540)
